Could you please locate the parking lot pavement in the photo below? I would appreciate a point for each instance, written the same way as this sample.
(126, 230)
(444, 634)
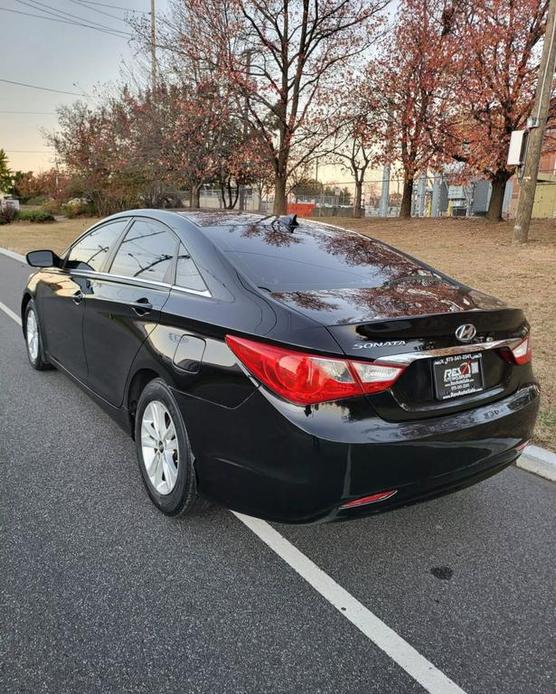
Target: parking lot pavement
(99, 592)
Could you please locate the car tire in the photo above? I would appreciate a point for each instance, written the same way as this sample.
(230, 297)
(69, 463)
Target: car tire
(164, 452)
(33, 338)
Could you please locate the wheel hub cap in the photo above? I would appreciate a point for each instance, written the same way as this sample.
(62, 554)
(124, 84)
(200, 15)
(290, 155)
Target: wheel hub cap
(159, 446)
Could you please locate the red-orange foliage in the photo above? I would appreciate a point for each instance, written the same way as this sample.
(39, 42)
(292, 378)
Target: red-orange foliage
(53, 184)
(139, 146)
(495, 78)
(282, 59)
(410, 85)
(453, 81)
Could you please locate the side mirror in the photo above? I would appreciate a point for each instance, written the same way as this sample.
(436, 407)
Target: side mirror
(43, 259)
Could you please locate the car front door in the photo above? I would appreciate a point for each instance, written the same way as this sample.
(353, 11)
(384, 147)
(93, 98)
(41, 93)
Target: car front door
(61, 292)
(123, 306)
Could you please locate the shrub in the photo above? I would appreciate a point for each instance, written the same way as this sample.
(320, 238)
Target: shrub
(38, 216)
(7, 214)
(37, 201)
(52, 206)
(78, 207)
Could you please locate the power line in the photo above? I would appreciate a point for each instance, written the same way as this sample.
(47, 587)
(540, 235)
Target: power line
(115, 33)
(29, 151)
(153, 45)
(44, 89)
(61, 21)
(31, 113)
(84, 6)
(112, 7)
(62, 14)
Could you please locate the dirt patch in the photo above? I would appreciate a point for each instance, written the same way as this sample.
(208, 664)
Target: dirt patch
(22, 237)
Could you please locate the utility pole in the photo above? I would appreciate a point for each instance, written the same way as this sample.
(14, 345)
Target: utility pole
(153, 46)
(421, 194)
(245, 128)
(537, 126)
(384, 192)
(435, 200)
(317, 181)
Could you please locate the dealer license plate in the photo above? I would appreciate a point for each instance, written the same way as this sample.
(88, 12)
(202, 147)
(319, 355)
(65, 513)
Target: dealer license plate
(456, 376)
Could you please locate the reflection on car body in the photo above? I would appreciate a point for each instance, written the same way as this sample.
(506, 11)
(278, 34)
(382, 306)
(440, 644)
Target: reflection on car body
(296, 372)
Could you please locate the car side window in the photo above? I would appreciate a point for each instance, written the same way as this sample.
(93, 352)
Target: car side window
(187, 275)
(90, 252)
(147, 252)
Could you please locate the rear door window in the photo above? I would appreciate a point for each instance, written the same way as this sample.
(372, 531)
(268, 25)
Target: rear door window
(146, 252)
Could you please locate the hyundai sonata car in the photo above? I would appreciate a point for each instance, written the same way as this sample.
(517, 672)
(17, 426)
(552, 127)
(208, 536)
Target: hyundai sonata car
(287, 369)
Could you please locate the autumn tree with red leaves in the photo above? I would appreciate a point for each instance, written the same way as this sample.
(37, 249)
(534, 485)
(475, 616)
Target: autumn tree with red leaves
(282, 59)
(409, 86)
(494, 79)
(455, 79)
(138, 147)
(52, 184)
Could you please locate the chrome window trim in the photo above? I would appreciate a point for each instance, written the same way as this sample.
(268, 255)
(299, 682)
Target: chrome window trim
(407, 358)
(93, 274)
(197, 292)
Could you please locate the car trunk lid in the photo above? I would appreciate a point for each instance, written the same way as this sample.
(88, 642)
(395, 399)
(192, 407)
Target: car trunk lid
(416, 326)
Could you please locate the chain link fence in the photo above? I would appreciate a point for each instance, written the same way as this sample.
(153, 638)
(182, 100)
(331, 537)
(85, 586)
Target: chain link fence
(433, 196)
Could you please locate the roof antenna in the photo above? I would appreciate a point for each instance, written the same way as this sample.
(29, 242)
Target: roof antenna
(289, 221)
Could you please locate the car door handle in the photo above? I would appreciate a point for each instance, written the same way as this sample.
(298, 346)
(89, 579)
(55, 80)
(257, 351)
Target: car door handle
(142, 306)
(77, 297)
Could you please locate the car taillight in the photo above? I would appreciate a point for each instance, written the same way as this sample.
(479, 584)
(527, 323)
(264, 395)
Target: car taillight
(305, 379)
(521, 354)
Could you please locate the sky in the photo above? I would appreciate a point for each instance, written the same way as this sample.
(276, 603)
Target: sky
(57, 56)
(65, 57)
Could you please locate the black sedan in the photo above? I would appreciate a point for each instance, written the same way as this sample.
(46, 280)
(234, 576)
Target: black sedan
(292, 371)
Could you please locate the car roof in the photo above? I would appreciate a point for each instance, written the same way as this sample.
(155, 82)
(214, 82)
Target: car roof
(219, 218)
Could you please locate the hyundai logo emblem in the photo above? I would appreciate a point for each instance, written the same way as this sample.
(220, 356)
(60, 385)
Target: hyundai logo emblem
(466, 332)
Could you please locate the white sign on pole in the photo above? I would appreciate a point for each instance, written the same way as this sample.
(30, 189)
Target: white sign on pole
(516, 152)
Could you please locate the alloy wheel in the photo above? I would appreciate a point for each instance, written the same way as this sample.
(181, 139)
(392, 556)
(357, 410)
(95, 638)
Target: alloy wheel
(32, 335)
(159, 446)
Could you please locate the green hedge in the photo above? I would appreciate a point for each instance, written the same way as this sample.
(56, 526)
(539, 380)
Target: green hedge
(39, 216)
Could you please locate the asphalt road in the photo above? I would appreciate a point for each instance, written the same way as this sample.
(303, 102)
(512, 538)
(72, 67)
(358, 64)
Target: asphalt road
(99, 592)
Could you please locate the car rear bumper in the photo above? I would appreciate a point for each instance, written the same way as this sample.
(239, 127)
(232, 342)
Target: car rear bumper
(291, 464)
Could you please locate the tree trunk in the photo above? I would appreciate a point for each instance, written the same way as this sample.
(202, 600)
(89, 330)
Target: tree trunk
(407, 195)
(494, 212)
(357, 199)
(280, 197)
(195, 196)
(234, 197)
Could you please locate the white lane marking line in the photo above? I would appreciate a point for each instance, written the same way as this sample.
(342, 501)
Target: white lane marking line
(13, 255)
(401, 652)
(10, 313)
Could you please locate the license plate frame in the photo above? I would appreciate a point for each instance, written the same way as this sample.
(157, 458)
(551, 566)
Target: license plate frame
(456, 376)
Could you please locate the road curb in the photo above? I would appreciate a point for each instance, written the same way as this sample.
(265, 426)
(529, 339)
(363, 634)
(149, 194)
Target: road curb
(14, 256)
(535, 459)
(539, 461)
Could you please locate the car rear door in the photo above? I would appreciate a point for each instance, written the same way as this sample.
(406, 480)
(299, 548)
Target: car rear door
(61, 292)
(123, 305)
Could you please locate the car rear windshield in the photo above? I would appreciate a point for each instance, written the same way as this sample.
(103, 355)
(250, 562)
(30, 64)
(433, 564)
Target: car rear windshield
(309, 257)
